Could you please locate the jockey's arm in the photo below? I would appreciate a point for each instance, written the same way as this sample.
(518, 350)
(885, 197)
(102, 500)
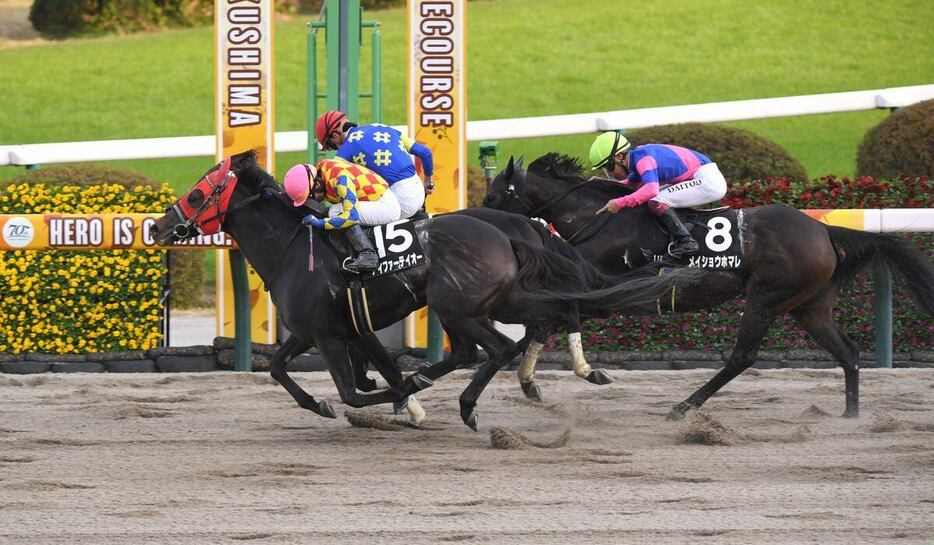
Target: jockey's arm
(639, 196)
(346, 191)
(422, 152)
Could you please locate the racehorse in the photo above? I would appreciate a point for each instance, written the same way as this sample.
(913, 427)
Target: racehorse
(470, 269)
(791, 263)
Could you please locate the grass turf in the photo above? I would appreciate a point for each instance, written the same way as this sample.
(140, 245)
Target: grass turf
(563, 57)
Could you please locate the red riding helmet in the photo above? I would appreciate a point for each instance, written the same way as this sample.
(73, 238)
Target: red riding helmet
(329, 122)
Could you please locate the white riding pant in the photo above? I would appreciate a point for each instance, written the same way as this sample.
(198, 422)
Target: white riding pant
(379, 212)
(411, 195)
(705, 187)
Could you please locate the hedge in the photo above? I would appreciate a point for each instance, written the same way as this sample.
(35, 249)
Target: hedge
(739, 154)
(61, 18)
(902, 144)
(716, 328)
(80, 301)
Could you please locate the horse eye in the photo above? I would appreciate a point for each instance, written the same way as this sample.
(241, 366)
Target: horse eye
(195, 198)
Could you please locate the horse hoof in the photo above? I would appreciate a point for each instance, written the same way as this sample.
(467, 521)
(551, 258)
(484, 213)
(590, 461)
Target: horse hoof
(850, 413)
(676, 415)
(473, 422)
(399, 406)
(416, 413)
(600, 377)
(421, 381)
(326, 410)
(531, 391)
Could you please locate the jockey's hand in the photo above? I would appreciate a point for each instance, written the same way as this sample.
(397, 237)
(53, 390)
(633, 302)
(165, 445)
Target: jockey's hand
(429, 185)
(314, 221)
(610, 207)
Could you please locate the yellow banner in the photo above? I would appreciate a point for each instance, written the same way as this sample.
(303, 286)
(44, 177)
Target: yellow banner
(91, 232)
(852, 219)
(438, 109)
(245, 120)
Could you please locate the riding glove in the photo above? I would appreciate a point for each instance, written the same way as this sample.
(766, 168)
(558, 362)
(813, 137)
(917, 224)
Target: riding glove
(314, 221)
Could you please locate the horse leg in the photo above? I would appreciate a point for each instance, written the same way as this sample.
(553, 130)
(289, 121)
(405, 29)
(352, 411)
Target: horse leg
(289, 349)
(336, 356)
(578, 363)
(816, 317)
(386, 367)
(359, 362)
(500, 348)
(755, 324)
(527, 368)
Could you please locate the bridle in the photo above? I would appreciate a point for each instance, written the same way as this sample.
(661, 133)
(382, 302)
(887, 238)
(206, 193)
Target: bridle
(217, 196)
(512, 194)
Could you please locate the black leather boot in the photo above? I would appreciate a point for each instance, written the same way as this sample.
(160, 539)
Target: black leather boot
(684, 244)
(366, 259)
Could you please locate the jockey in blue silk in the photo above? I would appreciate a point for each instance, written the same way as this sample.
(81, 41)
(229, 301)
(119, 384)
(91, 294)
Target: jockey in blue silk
(383, 150)
(662, 177)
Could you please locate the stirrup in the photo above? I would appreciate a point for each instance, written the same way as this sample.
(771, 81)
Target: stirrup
(683, 252)
(347, 265)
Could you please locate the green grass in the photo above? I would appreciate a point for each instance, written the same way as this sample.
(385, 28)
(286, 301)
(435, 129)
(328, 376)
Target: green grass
(526, 58)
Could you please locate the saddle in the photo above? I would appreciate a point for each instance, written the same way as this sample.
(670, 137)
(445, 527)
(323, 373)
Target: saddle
(717, 232)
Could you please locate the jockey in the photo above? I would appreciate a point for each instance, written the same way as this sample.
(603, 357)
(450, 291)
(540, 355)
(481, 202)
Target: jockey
(383, 150)
(664, 177)
(359, 197)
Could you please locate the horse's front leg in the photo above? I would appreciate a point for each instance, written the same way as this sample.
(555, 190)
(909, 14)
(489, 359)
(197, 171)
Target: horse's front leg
(335, 355)
(289, 349)
(389, 370)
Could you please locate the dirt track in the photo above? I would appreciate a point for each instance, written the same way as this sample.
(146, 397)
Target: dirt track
(228, 458)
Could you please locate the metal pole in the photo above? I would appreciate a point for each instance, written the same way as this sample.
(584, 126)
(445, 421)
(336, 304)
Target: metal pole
(242, 344)
(882, 283)
(376, 84)
(311, 83)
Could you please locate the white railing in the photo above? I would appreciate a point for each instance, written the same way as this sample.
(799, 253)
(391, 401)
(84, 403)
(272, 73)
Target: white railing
(494, 129)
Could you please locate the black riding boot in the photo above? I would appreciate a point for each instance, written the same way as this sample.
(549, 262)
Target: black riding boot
(366, 259)
(684, 244)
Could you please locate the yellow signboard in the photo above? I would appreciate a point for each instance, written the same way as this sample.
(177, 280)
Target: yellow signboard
(438, 109)
(245, 120)
(91, 232)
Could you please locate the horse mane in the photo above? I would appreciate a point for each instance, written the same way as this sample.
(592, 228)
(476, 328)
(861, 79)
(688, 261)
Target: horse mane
(570, 169)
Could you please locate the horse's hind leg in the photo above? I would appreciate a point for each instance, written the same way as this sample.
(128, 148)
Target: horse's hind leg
(816, 317)
(289, 349)
(755, 324)
(500, 348)
(536, 336)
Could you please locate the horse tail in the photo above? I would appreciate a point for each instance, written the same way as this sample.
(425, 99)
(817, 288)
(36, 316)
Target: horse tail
(543, 269)
(593, 278)
(858, 249)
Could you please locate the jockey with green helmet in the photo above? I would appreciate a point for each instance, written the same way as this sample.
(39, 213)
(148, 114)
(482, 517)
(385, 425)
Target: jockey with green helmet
(663, 177)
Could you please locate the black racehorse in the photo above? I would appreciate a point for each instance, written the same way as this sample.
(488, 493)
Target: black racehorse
(470, 269)
(791, 263)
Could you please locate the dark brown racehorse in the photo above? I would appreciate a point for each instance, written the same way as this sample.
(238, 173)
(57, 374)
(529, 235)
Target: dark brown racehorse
(791, 263)
(471, 269)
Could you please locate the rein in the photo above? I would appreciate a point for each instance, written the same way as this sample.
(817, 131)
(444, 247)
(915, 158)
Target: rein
(512, 194)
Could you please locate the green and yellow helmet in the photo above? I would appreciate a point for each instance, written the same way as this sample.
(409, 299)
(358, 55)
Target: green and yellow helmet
(606, 146)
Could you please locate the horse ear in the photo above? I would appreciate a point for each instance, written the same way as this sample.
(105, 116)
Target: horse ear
(520, 161)
(510, 168)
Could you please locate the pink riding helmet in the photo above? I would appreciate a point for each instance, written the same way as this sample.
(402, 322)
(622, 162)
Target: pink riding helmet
(297, 182)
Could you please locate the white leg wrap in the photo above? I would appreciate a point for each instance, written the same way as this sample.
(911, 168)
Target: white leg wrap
(527, 367)
(578, 363)
(416, 412)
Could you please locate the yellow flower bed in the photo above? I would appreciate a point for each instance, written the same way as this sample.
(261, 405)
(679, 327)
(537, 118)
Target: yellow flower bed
(80, 301)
